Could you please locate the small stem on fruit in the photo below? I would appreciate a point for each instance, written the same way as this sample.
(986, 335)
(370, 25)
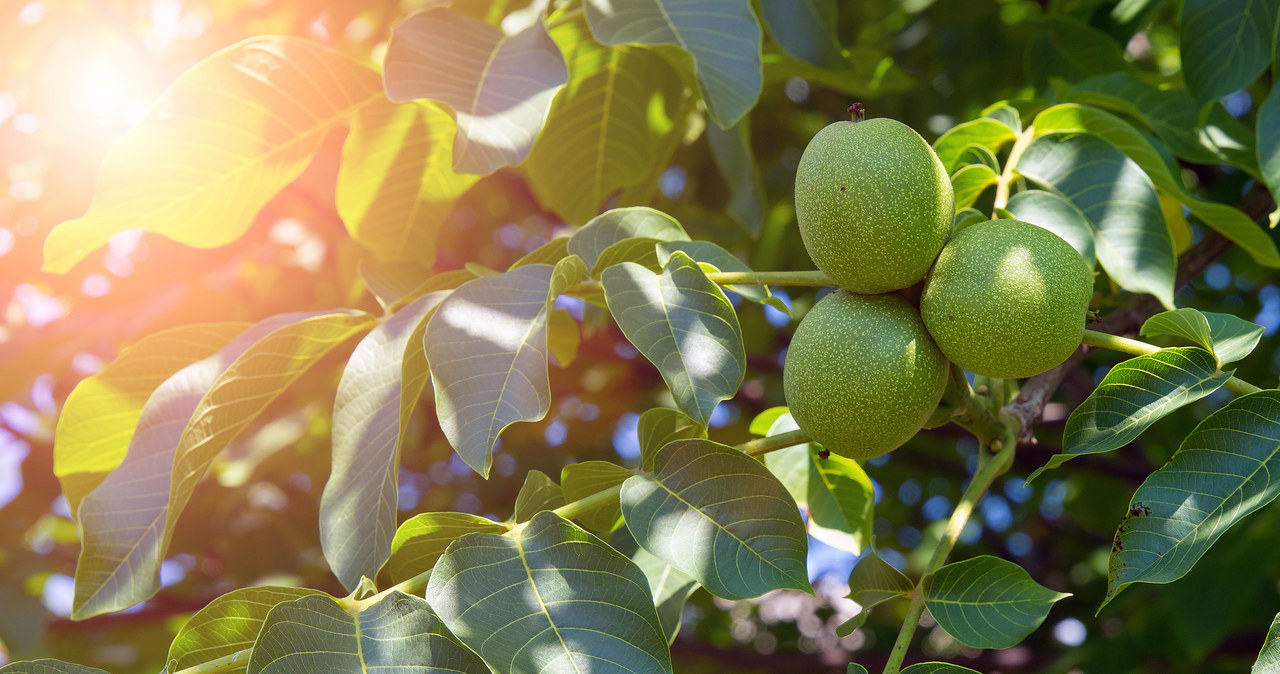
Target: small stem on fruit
(1006, 176)
(776, 278)
(989, 470)
(857, 112)
(762, 446)
(1134, 347)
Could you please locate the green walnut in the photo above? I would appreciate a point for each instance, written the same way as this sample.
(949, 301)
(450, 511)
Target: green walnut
(862, 375)
(1007, 299)
(874, 204)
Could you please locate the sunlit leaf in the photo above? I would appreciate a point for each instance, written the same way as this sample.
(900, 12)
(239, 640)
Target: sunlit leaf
(970, 182)
(550, 252)
(563, 337)
(396, 184)
(719, 516)
(580, 480)
(395, 284)
(48, 666)
(671, 589)
(1223, 471)
(226, 625)
(731, 150)
(499, 86)
(548, 598)
(1269, 139)
(100, 415)
(421, 540)
(624, 235)
(1058, 215)
(684, 325)
(984, 132)
(538, 493)
(1268, 661)
(1229, 337)
(487, 349)
(987, 602)
(379, 389)
(722, 36)
(220, 143)
(764, 421)
(1071, 118)
(127, 521)
(662, 425)
(707, 253)
(1134, 395)
(1130, 237)
(1225, 44)
(604, 129)
(398, 633)
(806, 29)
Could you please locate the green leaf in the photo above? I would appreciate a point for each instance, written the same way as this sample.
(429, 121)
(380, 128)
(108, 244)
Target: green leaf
(937, 668)
(764, 421)
(1225, 44)
(550, 252)
(977, 154)
(499, 86)
(396, 184)
(671, 589)
(548, 598)
(128, 520)
(871, 583)
(1229, 337)
(487, 348)
(1131, 239)
(722, 36)
(1223, 471)
(835, 490)
(395, 284)
(706, 503)
(1006, 114)
(1268, 661)
(217, 146)
(421, 540)
(1134, 395)
(855, 668)
(805, 30)
(48, 666)
(662, 425)
(970, 182)
(227, 624)
(538, 493)
(377, 395)
(707, 253)
(99, 417)
(624, 235)
(1269, 139)
(1070, 118)
(398, 633)
(1071, 50)
(605, 128)
(563, 337)
(987, 602)
(984, 132)
(965, 217)
(580, 480)
(1058, 215)
(731, 150)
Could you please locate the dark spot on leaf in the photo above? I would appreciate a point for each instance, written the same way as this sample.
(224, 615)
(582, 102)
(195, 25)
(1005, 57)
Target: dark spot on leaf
(824, 454)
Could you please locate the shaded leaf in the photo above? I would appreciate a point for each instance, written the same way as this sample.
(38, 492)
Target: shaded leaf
(499, 86)
(538, 493)
(1162, 171)
(548, 598)
(872, 582)
(396, 184)
(1268, 661)
(624, 235)
(421, 540)
(671, 589)
(398, 633)
(605, 128)
(937, 668)
(99, 417)
(1223, 471)
(806, 30)
(855, 668)
(662, 425)
(983, 132)
(487, 348)
(580, 480)
(218, 144)
(722, 36)
(970, 182)
(965, 217)
(684, 325)
(1071, 50)
(127, 521)
(987, 602)
(719, 516)
(977, 154)
(227, 624)
(563, 337)
(1134, 395)
(731, 150)
(48, 666)
(396, 284)
(1058, 215)
(1269, 139)
(1225, 44)
(1130, 237)
(707, 253)
(1229, 337)
(378, 392)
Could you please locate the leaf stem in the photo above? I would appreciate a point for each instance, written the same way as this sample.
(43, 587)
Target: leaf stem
(761, 446)
(586, 504)
(1134, 347)
(778, 278)
(225, 663)
(987, 472)
(1006, 176)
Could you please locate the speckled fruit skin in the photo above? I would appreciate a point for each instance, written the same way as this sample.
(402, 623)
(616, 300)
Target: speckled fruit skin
(1007, 299)
(862, 375)
(874, 204)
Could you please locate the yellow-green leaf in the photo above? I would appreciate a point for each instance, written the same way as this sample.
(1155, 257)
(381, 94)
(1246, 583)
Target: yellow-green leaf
(227, 624)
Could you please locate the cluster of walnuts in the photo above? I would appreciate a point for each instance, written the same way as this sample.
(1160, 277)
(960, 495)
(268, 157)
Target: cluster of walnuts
(868, 365)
